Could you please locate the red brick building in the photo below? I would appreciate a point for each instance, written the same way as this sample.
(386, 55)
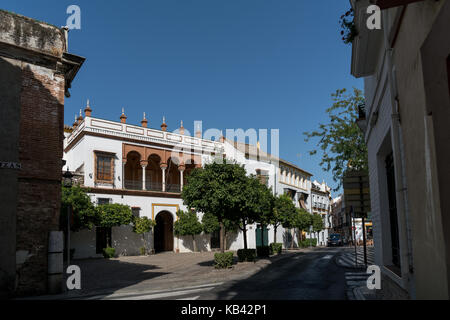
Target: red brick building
(35, 74)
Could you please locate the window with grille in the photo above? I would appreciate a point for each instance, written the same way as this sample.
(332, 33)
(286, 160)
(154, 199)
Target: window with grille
(136, 211)
(101, 201)
(104, 167)
(263, 176)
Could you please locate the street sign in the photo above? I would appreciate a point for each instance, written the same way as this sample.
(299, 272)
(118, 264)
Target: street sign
(357, 193)
(357, 200)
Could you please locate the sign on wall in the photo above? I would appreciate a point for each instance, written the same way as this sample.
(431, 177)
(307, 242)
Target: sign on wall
(10, 165)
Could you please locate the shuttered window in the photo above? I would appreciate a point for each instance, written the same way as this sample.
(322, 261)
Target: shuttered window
(104, 167)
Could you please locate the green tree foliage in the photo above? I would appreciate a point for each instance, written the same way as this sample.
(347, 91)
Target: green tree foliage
(217, 189)
(211, 224)
(303, 220)
(341, 141)
(317, 223)
(283, 213)
(187, 224)
(256, 205)
(84, 215)
(114, 215)
(143, 225)
(263, 206)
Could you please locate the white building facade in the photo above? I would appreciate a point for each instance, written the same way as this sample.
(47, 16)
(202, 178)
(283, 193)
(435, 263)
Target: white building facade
(146, 169)
(321, 205)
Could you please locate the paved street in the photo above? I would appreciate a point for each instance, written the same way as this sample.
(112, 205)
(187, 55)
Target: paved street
(307, 275)
(300, 274)
(303, 274)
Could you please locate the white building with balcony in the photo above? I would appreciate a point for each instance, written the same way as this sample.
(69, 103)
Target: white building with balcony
(321, 204)
(146, 169)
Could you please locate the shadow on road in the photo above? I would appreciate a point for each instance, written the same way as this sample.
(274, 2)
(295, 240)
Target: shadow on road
(110, 275)
(298, 276)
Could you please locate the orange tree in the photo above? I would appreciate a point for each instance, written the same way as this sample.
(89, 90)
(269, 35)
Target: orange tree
(217, 189)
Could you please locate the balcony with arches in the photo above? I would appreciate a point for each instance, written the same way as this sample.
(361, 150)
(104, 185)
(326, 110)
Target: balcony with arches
(149, 169)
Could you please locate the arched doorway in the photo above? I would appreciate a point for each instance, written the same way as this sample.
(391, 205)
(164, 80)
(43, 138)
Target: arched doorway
(164, 232)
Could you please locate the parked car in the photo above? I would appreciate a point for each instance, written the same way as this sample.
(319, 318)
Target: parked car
(335, 239)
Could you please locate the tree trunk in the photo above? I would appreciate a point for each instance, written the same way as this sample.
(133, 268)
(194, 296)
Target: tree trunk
(222, 237)
(107, 238)
(193, 243)
(244, 230)
(225, 239)
(262, 235)
(275, 233)
(292, 238)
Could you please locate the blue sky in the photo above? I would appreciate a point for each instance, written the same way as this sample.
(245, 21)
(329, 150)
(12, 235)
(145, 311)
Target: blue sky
(231, 63)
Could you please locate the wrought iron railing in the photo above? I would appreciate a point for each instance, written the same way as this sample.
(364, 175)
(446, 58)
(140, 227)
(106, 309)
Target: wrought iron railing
(151, 186)
(133, 184)
(173, 187)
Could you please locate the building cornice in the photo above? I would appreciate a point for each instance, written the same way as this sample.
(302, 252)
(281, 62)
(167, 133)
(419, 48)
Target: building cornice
(135, 134)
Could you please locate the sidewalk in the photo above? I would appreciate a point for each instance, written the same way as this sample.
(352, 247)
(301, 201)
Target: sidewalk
(357, 279)
(165, 271)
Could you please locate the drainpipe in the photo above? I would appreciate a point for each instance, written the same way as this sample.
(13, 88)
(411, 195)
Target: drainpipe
(401, 189)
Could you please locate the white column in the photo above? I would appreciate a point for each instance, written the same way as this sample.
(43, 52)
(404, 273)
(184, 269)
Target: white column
(163, 178)
(123, 174)
(143, 177)
(181, 180)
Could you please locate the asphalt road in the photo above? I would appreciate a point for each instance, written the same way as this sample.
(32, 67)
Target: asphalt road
(306, 276)
(300, 275)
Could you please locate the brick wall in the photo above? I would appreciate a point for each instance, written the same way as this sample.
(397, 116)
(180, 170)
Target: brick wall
(40, 152)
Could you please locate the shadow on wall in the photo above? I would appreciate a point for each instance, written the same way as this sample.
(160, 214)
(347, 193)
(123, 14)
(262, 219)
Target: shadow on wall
(31, 196)
(202, 242)
(230, 238)
(128, 243)
(10, 86)
(288, 239)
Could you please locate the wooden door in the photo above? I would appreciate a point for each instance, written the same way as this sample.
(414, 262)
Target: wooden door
(164, 232)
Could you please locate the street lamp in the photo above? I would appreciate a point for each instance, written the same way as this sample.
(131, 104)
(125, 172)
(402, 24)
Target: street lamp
(67, 178)
(67, 182)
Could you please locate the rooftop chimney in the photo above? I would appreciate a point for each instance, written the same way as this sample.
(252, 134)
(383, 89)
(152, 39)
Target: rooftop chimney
(181, 128)
(75, 123)
(164, 125)
(80, 118)
(87, 110)
(123, 117)
(144, 122)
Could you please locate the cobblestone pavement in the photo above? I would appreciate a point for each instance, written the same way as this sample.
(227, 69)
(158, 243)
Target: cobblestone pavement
(163, 271)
